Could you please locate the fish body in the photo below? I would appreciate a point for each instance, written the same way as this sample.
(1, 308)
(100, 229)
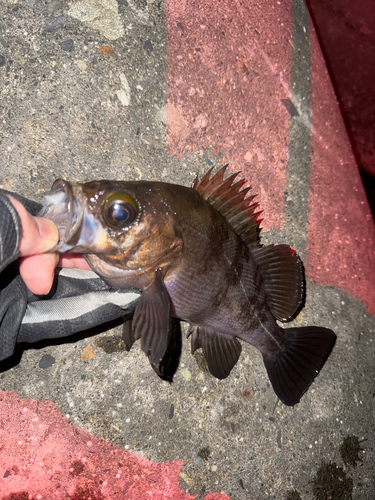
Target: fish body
(195, 255)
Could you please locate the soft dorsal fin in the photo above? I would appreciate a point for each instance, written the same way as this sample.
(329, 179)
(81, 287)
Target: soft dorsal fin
(283, 276)
(227, 197)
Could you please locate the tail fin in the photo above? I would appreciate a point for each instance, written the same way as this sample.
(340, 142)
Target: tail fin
(306, 351)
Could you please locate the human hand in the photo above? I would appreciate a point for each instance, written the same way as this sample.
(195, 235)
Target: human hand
(39, 235)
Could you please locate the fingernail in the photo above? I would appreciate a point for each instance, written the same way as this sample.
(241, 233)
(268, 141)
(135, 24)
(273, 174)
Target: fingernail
(47, 229)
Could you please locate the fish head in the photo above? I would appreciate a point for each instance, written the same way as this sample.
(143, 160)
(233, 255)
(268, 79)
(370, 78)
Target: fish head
(129, 225)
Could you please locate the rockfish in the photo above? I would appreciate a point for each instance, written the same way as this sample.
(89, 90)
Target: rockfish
(195, 255)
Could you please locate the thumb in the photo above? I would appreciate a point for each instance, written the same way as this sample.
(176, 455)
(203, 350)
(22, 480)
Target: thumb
(38, 235)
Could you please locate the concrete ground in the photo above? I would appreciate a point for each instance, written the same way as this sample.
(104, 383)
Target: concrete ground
(142, 89)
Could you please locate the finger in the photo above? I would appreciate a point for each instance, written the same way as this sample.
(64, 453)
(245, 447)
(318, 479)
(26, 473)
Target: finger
(73, 260)
(38, 235)
(38, 271)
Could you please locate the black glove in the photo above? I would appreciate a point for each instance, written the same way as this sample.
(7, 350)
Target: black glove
(79, 299)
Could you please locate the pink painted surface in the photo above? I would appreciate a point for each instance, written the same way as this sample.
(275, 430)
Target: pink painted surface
(228, 69)
(341, 234)
(44, 456)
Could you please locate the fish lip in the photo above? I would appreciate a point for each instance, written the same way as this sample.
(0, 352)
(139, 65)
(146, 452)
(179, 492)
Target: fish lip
(68, 214)
(75, 216)
(62, 185)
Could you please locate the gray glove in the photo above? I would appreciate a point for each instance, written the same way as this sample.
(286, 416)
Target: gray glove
(79, 299)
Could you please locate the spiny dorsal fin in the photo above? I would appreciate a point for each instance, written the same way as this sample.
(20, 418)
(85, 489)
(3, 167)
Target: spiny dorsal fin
(227, 197)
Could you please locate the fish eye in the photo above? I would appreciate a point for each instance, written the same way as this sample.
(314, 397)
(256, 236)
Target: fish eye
(120, 210)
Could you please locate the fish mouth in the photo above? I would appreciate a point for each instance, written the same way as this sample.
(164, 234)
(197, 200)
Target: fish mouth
(66, 207)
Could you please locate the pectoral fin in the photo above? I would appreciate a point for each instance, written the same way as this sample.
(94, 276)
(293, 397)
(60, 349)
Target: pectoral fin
(221, 351)
(159, 333)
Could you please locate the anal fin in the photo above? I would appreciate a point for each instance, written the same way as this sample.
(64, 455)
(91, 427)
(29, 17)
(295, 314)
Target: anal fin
(221, 351)
(294, 369)
(283, 275)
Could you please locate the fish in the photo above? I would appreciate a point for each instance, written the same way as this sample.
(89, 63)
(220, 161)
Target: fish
(195, 255)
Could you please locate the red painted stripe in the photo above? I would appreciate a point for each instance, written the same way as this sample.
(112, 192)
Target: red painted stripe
(227, 72)
(228, 69)
(44, 455)
(341, 236)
